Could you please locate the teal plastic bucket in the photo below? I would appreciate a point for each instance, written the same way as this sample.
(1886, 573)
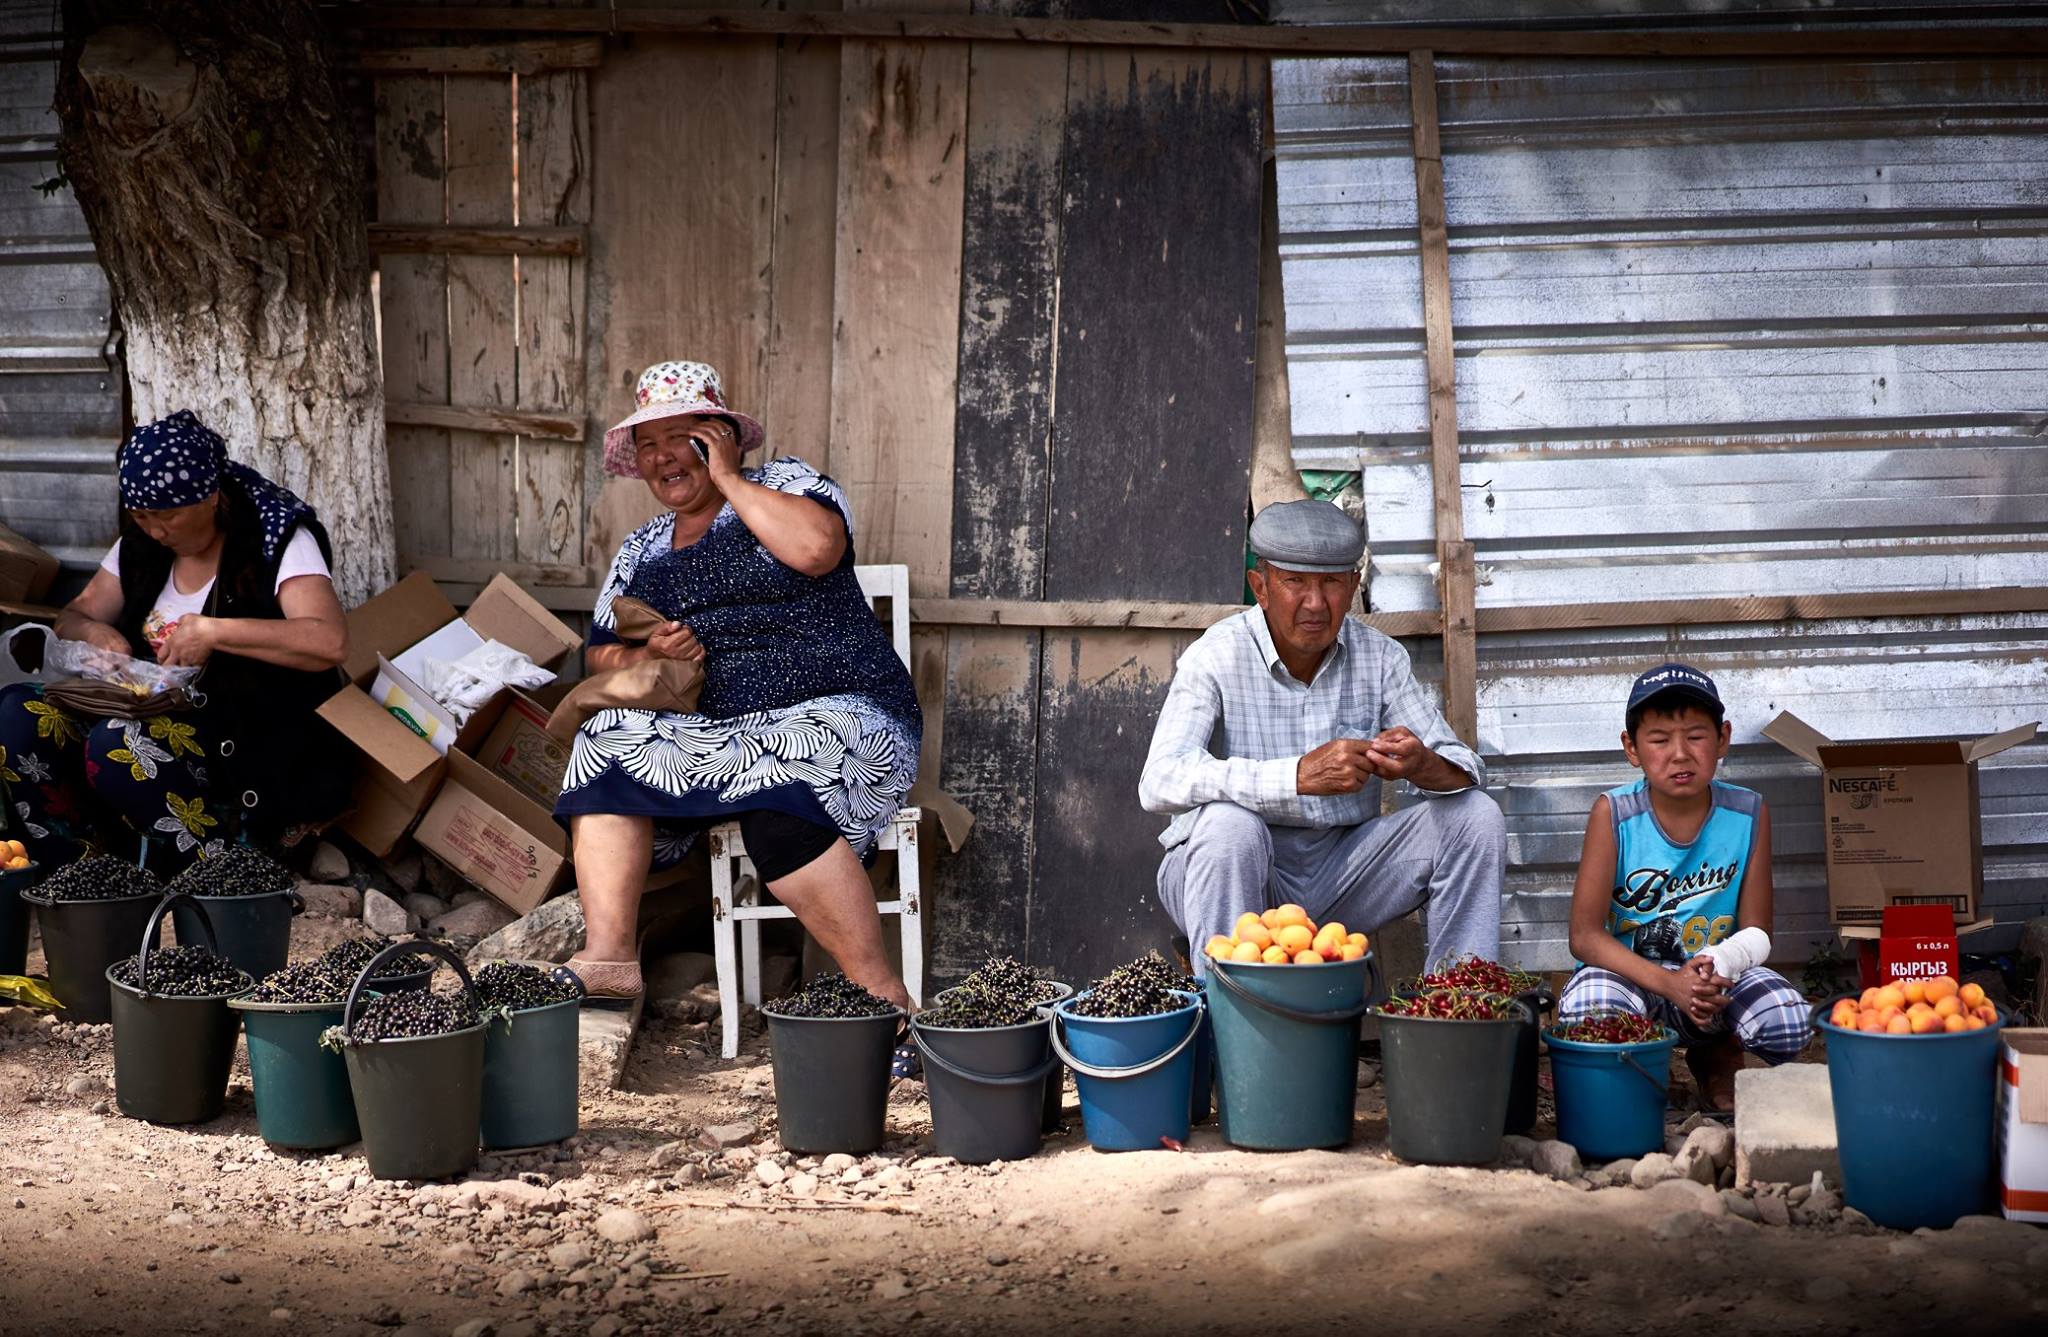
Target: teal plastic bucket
(1611, 1098)
(1287, 1050)
(530, 1094)
(255, 932)
(1135, 1075)
(1918, 1149)
(302, 1094)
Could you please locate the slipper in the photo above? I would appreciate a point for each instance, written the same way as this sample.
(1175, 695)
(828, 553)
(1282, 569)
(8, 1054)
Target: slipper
(906, 1063)
(611, 985)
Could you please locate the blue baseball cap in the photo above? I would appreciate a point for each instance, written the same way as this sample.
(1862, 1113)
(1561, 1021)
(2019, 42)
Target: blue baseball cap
(1682, 680)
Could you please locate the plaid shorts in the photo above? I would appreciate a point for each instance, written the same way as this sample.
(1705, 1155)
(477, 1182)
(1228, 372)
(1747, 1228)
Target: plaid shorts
(1765, 1012)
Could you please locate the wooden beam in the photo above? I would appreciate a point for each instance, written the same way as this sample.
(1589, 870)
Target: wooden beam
(1334, 39)
(1765, 608)
(581, 53)
(472, 418)
(581, 580)
(1453, 553)
(443, 239)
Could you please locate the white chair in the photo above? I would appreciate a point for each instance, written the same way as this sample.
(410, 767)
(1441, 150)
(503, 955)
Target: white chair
(736, 909)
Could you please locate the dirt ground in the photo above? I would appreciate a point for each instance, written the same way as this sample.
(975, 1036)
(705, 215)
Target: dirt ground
(108, 1225)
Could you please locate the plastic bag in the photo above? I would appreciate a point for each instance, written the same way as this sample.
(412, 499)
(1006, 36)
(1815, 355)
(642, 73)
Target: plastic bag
(11, 669)
(464, 684)
(28, 991)
(81, 659)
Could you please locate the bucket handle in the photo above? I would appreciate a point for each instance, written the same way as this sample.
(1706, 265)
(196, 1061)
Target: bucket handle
(1646, 1075)
(1037, 1074)
(156, 917)
(1135, 1070)
(427, 945)
(1244, 995)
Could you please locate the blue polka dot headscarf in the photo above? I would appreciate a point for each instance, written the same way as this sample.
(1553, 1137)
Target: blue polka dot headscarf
(180, 461)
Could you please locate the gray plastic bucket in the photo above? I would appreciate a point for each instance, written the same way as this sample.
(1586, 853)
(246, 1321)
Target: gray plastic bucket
(986, 1087)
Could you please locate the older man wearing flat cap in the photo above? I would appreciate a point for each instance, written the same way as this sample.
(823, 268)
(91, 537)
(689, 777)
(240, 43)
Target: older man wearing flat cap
(1279, 727)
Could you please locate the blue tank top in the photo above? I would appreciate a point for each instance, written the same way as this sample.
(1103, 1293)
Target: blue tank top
(1671, 901)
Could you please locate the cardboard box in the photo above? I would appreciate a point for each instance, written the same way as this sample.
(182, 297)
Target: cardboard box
(2023, 1125)
(26, 571)
(495, 835)
(1899, 821)
(519, 750)
(401, 770)
(1913, 942)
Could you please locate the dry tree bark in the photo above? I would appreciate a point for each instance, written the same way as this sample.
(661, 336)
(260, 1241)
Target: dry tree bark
(213, 161)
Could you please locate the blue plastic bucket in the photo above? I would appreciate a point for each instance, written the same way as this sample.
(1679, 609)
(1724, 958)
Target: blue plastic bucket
(1287, 1050)
(1918, 1151)
(1611, 1098)
(1202, 1098)
(1135, 1075)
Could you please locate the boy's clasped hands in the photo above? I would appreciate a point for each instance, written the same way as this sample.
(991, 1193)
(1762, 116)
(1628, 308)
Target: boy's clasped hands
(1698, 989)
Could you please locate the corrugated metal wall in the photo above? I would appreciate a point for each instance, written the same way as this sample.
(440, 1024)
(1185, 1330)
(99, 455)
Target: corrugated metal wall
(60, 394)
(1721, 329)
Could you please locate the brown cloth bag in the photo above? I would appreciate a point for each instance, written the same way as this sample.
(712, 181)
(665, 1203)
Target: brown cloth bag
(652, 684)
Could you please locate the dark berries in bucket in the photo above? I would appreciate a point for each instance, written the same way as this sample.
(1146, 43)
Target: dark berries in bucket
(99, 877)
(830, 996)
(1140, 989)
(412, 1014)
(348, 959)
(1002, 993)
(235, 871)
(516, 987)
(184, 972)
(306, 982)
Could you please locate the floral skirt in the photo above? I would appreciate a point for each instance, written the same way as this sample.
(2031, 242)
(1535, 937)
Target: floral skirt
(75, 785)
(839, 761)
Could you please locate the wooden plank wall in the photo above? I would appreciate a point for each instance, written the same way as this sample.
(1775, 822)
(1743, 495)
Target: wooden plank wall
(1005, 292)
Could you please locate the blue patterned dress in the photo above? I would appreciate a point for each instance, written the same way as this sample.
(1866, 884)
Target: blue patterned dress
(805, 709)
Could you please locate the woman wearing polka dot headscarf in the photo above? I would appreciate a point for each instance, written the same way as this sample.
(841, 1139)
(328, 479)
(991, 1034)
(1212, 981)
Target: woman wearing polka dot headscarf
(219, 568)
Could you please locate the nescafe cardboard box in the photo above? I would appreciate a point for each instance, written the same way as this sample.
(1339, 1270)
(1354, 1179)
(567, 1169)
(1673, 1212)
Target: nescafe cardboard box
(1899, 821)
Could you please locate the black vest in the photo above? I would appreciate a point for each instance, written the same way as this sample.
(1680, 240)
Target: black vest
(271, 762)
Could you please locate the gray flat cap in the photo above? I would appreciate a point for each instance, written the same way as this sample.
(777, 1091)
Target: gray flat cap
(1308, 536)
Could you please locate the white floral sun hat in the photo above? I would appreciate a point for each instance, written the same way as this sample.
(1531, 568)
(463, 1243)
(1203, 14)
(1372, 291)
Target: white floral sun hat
(669, 390)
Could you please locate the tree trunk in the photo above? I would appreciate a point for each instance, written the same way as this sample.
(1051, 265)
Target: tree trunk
(213, 160)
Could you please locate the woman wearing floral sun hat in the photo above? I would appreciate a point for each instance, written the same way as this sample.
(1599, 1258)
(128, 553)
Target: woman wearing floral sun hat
(807, 728)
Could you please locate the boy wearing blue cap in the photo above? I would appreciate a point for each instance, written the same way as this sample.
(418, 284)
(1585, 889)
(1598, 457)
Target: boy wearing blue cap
(1673, 900)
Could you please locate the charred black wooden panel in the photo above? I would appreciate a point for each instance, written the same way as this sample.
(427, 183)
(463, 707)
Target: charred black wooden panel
(1158, 306)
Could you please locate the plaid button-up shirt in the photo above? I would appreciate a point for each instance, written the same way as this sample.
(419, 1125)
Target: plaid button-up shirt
(1236, 724)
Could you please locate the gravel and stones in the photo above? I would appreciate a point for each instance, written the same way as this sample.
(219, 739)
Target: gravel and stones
(832, 995)
(1139, 989)
(99, 877)
(235, 871)
(518, 988)
(185, 972)
(306, 982)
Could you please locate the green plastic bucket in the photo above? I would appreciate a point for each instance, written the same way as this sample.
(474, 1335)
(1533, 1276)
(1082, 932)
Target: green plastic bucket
(1917, 1148)
(81, 939)
(303, 1100)
(419, 1101)
(171, 1054)
(255, 932)
(530, 1092)
(1287, 1050)
(1611, 1098)
(1135, 1074)
(1447, 1085)
(832, 1080)
(14, 913)
(987, 1088)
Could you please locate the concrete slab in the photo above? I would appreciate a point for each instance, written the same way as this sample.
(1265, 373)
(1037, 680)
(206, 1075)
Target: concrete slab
(1784, 1125)
(604, 1040)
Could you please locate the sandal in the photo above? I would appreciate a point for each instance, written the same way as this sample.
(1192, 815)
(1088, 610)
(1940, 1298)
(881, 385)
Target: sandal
(613, 985)
(906, 1063)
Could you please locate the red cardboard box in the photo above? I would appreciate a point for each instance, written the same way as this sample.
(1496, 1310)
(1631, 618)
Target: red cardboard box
(1914, 942)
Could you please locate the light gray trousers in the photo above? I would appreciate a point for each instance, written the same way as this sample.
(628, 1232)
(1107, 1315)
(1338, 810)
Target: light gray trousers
(1445, 855)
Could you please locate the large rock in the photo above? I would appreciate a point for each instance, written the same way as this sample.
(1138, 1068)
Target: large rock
(1707, 1151)
(336, 902)
(387, 916)
(1784, 1125)
(405, 870)
(673, 976)
(423, 907)
(553, 932)
(1559, 1160)
(329, 864)
(479, 919)
(1651, 1170)
(623, 1225)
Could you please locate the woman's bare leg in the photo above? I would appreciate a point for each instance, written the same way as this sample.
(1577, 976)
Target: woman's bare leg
(833, 900)
(612, 855)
